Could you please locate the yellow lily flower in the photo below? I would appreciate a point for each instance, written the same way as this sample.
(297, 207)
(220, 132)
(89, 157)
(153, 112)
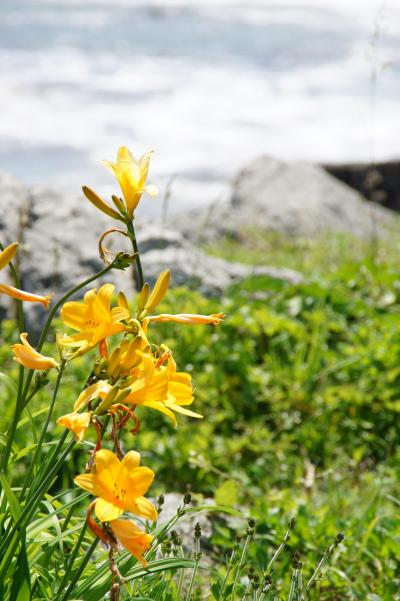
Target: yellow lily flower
(150, 384)
(132, 538)
(132, 175)
(76, 422)
(119, 486)
(27, 356)
(93, 318)
(187, 318)
(180, 391)
(161, 387)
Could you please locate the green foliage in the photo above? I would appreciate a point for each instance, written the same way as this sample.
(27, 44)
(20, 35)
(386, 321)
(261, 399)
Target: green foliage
(300, 391)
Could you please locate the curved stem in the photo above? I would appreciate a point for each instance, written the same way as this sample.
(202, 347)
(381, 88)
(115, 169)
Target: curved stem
(64, 298)
(139, 279)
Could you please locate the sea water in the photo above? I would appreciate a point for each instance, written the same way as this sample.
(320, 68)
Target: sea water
(208, 84)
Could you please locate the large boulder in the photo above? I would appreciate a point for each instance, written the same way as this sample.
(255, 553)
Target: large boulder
(292, 198)
(59, 248)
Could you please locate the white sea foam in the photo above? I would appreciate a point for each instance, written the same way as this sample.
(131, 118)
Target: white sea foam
(209, 85)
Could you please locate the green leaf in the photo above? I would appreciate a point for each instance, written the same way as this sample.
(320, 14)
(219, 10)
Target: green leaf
(8, 383)
(21, 586)
(11, 498)
(227, 493)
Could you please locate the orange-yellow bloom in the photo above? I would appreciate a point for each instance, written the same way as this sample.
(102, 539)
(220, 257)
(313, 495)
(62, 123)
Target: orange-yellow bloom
(93, 318)
(132, 538)
(27, 356)
(119, 486)
(187, 318)
(160, 387)
(76, 422)
(132, 175)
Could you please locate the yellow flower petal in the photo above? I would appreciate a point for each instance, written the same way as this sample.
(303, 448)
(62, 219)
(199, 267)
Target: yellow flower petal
(131, 461)
(106, 511)
(76, 422)
(132, 538)
(119, 485)
(131, 175)
(90, 393)
(159, 290)
(144, 508)
(27, 356)
(135, 483)
(93, 318)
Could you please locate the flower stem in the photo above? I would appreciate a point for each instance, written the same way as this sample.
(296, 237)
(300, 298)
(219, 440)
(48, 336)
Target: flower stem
(328, 553)
(239, 568)
(139, 279)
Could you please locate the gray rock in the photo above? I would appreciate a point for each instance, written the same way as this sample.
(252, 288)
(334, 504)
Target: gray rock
(292, 198)
(59, 248)
(15, 204)
(210, 275)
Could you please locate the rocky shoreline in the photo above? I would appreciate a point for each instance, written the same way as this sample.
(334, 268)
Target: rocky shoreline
(59, 235)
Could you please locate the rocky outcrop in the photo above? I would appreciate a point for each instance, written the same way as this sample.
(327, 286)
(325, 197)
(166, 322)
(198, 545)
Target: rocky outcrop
(292, 198)
(59, 242)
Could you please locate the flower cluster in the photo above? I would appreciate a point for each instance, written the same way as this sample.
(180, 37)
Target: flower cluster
(134, 373)
(129, 371)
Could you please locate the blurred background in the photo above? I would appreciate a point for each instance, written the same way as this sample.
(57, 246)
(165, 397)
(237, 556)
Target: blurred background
(209, 85)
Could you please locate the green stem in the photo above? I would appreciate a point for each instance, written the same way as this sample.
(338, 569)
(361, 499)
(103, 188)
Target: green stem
(44, 430)
(18, 403)
(280, 548)
(196, 565)
(300, 595)
(293, 583)
(17, 284)
(228, 571)
(139, 279)
(239, 568)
